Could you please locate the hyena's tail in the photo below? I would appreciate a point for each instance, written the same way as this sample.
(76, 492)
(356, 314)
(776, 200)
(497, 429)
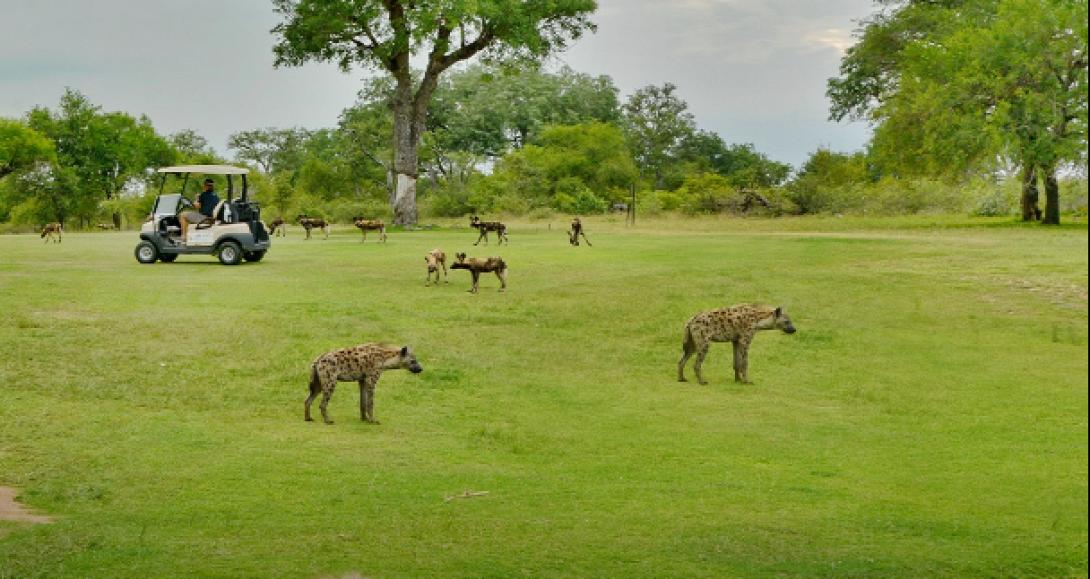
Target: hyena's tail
(315, 384)
(689, 345)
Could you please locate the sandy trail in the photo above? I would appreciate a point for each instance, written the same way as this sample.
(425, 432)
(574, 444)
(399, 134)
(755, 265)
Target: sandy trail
(13, 511)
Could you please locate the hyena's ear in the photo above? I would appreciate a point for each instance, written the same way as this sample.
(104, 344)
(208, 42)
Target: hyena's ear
(779, 312)
(404, 350)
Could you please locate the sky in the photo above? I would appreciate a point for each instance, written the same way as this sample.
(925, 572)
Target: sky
(753, 71)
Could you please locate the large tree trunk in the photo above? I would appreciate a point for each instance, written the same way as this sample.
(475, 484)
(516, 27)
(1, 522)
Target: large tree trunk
(406, 143)
(1052, 197)
(1031, 211)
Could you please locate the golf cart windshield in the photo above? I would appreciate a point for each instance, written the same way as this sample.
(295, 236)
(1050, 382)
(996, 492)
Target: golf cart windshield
(168, 204)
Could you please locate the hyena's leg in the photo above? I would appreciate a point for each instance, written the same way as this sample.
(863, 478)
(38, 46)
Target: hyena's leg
(364, 398)
(481, 235)
(476, 278)
(737, 361)
(585, 238)
(743, 360)
(701, 353)
(315, 388)
(308, 231)
(325, 229)
(328, 386)
(687, 350)
(502, 274)
(368, 387)
(382, 237)
(445, 280)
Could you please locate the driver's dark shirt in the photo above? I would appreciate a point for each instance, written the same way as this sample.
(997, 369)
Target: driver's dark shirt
(208, 201)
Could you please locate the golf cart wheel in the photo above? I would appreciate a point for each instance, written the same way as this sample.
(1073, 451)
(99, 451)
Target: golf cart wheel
(146, 252)
(253, 256)
(168, 257)
(230, 253)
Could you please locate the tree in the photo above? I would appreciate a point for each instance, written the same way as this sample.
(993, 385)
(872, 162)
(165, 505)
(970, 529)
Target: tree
(572, 161)
(22, 148)
(657, 123)
(952, 85)
(385, 34)
(100, 152)
(491, 110)
(272, 150)
(741, 164)
(192, 148)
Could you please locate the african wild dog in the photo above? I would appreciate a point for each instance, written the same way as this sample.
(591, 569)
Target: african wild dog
(366, 225)
(364, 364)
(576, 231)
(278, 227)
(485, 226)
(477, 266)
(736, 324)
(436, 259)
(309, 223)
(105, 226)
(50, 230)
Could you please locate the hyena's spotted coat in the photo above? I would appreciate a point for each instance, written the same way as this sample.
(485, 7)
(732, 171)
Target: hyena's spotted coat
(364, 364)
(736, 324)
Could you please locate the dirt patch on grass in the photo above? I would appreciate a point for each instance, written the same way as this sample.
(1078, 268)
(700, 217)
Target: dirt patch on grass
(10, 510)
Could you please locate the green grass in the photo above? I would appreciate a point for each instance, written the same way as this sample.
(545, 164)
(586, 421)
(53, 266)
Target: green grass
(929, 418)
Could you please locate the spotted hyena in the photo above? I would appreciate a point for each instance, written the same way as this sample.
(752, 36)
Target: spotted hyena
(485, 226)
(364, 364)
(366, 225)
(309, 223)
(50, 230)
(736, 324)
(436, 259)
(478, 265)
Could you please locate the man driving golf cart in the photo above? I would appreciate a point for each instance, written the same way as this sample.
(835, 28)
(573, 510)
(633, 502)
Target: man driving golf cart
(206, 206)
(230, 228)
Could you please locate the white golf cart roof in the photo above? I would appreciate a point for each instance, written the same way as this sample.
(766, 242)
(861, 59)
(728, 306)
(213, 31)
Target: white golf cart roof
(206, 169)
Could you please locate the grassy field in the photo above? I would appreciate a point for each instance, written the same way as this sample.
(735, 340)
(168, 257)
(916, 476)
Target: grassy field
(929, 417)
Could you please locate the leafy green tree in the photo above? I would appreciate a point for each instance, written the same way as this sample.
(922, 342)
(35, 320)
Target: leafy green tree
(102, 153)
(828, 181)
(568, 160)
(741, 164)
(193, 149)
(272, 150)
(953, 84)
(657, 123)
(384, 35)
(489, 110)
(22, 148)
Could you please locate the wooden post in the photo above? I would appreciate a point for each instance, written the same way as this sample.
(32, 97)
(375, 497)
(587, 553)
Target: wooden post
(632, 206)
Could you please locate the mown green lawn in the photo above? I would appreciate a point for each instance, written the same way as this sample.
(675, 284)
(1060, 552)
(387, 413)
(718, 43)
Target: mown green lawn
(929, 417)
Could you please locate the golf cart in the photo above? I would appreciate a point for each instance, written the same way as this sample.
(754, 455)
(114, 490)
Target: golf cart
(235, 232)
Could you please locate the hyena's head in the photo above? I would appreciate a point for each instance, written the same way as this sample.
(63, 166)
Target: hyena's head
(405, 360)
(461, 257)
(782, 322)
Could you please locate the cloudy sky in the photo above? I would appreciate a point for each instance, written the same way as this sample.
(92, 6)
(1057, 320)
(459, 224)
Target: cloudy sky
(751, 70)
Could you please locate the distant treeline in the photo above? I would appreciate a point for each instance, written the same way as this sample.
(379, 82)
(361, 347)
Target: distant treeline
(519, 140)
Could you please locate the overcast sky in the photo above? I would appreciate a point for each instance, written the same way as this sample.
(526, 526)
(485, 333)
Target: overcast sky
(751, 70)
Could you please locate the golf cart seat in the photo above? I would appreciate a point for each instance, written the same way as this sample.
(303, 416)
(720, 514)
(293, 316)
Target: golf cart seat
(219, 217)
